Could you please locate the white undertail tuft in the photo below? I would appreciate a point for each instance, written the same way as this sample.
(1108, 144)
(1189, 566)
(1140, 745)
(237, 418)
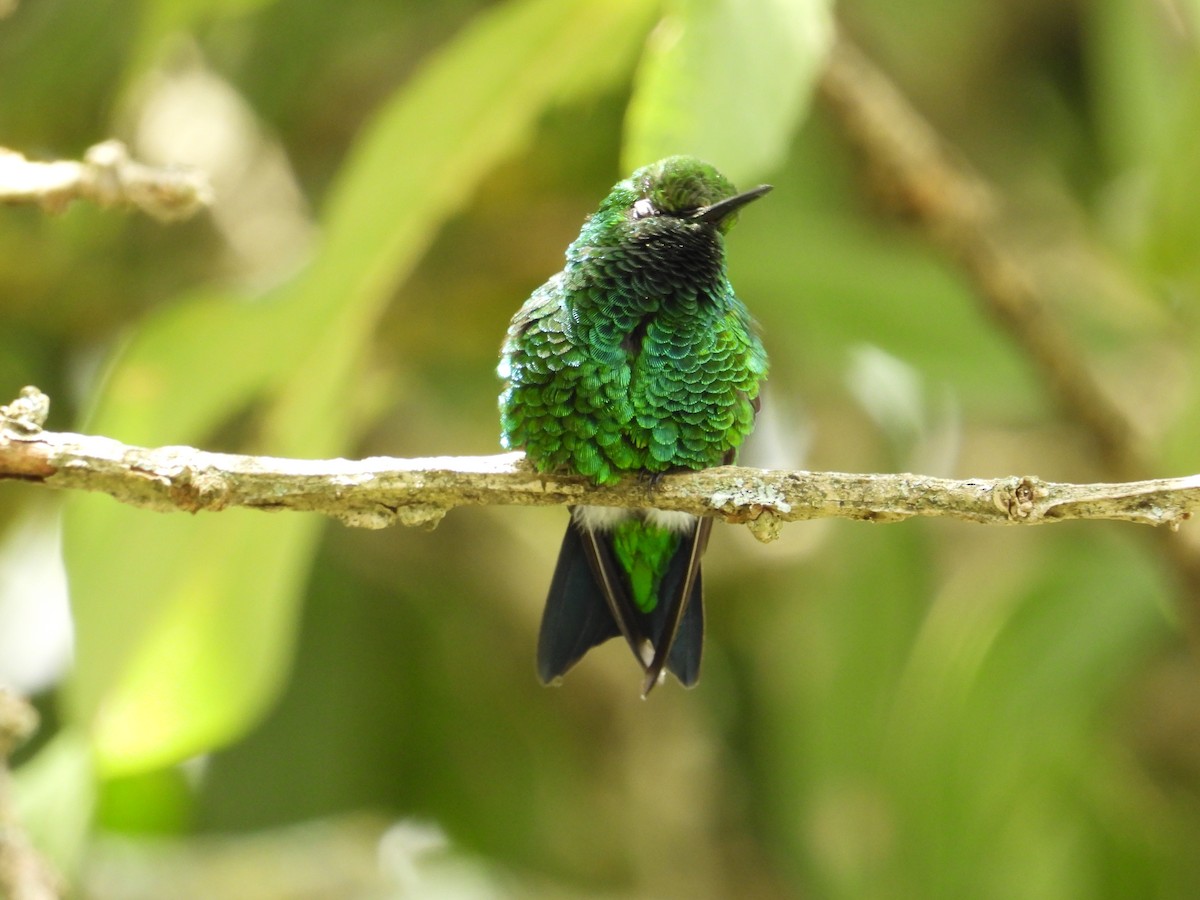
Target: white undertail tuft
(598, 519)
(671, 520)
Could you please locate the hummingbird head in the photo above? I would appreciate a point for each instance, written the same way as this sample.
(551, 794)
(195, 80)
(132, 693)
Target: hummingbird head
(689, 190)
(671, 214)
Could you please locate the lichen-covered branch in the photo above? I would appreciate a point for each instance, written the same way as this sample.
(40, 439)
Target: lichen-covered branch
(382, 491)
(106, 176)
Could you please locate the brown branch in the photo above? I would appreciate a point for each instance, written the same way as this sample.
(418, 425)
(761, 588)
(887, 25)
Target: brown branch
(382, 491)
(108, 177)
(915, 173)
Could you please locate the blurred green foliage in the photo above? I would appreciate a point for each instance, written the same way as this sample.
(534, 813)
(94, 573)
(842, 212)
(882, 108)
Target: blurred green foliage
(919, 710)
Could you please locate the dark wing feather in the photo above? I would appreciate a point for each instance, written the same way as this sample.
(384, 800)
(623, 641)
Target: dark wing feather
(587, 605)
(576, 617)
(678, 622)
(684, 659)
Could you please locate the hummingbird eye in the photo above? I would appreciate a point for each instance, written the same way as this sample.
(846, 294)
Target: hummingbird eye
(643, 209)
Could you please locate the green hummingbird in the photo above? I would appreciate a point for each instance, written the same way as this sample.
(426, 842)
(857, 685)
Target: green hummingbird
(636, 358)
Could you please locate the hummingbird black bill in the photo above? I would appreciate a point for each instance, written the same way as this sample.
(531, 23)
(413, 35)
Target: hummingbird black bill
(722, 209)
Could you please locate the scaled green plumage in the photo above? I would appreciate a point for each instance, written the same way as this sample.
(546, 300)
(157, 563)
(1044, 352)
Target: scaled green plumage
(638, 356)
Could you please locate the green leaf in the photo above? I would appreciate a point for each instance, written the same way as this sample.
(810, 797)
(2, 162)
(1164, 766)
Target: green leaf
(184, 626)
(1135, 80)
(727, 81)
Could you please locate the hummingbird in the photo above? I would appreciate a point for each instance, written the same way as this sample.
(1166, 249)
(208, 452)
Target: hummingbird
(636, 359)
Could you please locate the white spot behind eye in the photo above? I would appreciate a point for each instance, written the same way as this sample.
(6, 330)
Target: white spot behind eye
(643, 208)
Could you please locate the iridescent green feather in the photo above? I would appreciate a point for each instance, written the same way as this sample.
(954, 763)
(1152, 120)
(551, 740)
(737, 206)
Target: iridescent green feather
(644, 551)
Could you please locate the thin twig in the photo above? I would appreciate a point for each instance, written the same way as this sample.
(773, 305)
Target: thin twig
(382, 491)
(23, 874)
(107, 176)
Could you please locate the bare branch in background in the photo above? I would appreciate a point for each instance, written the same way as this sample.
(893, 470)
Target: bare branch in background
(913, 171)
(108, 177)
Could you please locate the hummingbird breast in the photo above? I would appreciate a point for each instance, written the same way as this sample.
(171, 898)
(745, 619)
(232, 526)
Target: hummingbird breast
(637, 357)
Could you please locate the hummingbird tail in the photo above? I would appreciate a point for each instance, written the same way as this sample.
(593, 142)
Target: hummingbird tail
(589, 603)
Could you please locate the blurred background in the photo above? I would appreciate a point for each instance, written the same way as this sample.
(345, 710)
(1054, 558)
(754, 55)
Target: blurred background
(246, 705)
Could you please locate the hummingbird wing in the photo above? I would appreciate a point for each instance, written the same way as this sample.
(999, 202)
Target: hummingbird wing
(587, 605)
(576, 617)
(679, 634)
